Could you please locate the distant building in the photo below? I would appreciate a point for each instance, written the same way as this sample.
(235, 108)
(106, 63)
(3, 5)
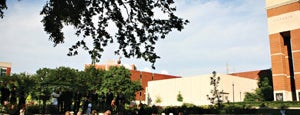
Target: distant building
(195, 89)
(144, 78)
(108, 64)
(254, 74)
(5, 69)
(284, 35)
(136, 75)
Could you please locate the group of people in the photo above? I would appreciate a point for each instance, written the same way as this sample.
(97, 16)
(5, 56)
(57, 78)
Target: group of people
(87, 102)
(9, 95)
(68, 100)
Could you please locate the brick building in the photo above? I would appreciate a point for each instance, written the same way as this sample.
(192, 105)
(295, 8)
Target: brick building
(142, 76)
(284, 35)
(254, 74)
(5, 68)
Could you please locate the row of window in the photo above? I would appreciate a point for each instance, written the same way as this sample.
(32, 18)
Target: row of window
(279, 96)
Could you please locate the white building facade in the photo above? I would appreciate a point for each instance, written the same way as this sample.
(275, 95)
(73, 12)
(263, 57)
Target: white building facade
(195, 89)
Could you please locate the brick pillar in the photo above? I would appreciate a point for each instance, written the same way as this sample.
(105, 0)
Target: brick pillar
(279, 62)
(295, 39)
(284, 28)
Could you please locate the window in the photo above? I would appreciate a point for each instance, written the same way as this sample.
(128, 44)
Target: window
(141, 77)
(279, 96)
(152, 76)
(2, 71)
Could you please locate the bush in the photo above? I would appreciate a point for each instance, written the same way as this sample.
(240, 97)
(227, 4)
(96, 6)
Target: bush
(229, 108)
(33, 109)
(186, 108)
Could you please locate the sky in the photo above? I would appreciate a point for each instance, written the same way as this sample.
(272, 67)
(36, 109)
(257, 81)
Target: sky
(225, 36)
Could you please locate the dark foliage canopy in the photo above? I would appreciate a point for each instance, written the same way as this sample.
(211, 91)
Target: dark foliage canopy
(137, 27)
(2, 7)
(47, 80)
(264, 92)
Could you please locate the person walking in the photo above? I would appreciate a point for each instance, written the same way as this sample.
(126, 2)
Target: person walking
(94, 99)
(85, 104)
(55, 95)
(89, 108)
(120, 101)
(77, 99)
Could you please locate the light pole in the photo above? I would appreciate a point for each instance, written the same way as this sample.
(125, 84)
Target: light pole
(233, 92)
(240, 96)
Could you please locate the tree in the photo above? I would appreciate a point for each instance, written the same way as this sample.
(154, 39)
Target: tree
(158, 99)
(64, 77)
(23, 82)
(265, 85)
(251, 97)
(42, 78)
(264, 92)
(93, 77)
(2, 7)
(179, 97)
(137, 27)
(117, 79)
(216, 96)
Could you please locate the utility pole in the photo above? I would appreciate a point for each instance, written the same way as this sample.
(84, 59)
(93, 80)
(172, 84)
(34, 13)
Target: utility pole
(232, 92)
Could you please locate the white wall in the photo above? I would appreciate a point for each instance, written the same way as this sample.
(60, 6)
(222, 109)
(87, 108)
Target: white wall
(195, 89)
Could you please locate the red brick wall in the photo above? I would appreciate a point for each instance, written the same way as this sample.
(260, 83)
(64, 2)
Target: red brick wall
(280, 64)
(248, 74)
(144, 77)
(8, 71)
(283, 9)
(295, 35)
(254, 74)
(295, 38)
(279, 56)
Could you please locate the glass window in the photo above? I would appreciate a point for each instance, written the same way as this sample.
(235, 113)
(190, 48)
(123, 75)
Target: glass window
(2, 71)
(279, 96)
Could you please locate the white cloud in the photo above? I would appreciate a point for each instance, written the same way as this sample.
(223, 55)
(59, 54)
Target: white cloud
(218, 34)
(127, 66)
(146, 69)
(164, 72)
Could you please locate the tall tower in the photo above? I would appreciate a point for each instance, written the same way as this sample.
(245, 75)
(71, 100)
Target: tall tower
(284, 35)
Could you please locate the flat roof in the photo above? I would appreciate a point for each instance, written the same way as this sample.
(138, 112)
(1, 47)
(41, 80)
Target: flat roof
(5, 64)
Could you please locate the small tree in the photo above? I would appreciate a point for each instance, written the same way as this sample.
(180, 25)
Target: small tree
(158, 99)
(216, 96)
(179, 97)
(250, 97)
(264, 92)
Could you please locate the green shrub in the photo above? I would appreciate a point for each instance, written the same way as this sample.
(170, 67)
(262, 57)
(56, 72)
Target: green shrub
(33, 109)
